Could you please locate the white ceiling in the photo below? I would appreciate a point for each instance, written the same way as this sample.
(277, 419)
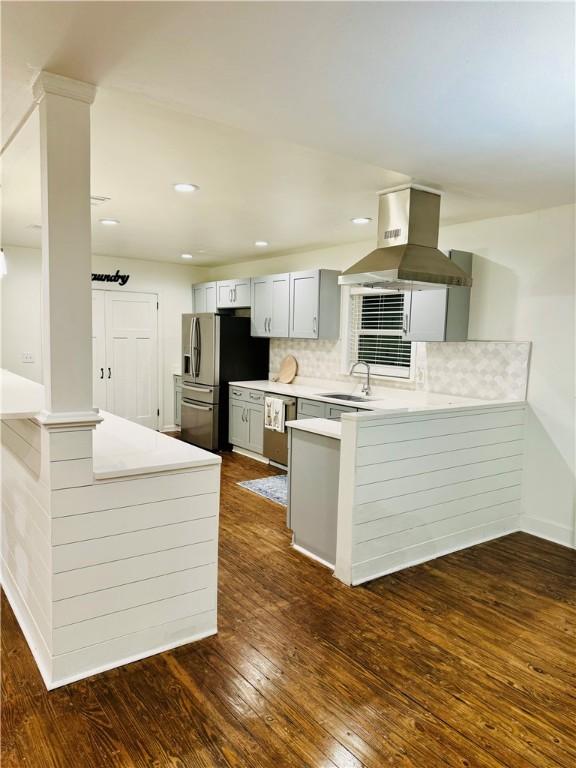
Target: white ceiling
(474, 98)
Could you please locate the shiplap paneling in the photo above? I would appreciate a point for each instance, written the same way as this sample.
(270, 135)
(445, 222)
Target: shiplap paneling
(80, 554)
(21, 448)
(103, 572)
(138, 490)
(131, 647)
(119, 572)
(125, 519)
(73, 444)
(149, 590)
(94, 631)
(421, 500)
(426, 484)
(428, 446)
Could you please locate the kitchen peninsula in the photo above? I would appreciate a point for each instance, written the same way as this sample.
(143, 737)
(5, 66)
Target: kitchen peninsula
(110, 537)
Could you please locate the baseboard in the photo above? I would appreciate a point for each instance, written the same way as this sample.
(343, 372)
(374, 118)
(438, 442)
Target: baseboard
(250, 454)
(30, 630)
(474, 536)
(58, 683)
(312, 556)
(170, 428)
(558, 534)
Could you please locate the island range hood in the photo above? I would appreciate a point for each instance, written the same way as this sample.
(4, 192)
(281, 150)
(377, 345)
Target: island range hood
(407, 252)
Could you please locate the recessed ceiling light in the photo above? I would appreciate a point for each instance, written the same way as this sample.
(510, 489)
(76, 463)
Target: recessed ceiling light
(109, 222)
(361, 220)
(185, 187)
(261, 243)
(187, 256)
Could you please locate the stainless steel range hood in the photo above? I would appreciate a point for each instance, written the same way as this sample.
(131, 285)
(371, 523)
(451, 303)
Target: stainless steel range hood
(407, 253)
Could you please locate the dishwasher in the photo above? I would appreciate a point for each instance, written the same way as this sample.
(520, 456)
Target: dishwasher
(276, 443)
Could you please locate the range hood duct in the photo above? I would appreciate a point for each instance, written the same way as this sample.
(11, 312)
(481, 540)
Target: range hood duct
(408, 224)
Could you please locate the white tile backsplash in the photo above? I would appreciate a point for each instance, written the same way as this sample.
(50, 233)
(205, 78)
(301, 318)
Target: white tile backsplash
(494, 370)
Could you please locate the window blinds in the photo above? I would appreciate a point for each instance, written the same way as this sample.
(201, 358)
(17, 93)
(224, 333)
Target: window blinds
(375, 334)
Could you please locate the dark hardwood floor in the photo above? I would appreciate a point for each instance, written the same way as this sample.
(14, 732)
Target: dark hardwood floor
(466, 661)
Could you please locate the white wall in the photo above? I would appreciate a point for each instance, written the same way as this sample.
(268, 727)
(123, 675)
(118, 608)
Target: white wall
(21, 311)
(524, 290)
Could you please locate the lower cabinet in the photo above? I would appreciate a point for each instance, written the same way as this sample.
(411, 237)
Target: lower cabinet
(246, 419)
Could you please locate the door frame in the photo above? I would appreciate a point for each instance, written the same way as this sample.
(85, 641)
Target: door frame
(159, 387)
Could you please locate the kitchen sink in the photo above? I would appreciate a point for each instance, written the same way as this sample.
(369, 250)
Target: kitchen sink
(350, 398)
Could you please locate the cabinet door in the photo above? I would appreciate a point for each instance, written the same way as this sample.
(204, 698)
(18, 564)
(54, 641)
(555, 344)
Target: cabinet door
(279, 322)
(260, 306)
(304, 301)
(241, 293)
(224, 294)
(425, 314)
(199, 298)
(210, 294)
(255, 424)
(238, 424)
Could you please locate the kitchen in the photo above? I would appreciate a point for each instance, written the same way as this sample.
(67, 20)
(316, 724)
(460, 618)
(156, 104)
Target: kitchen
(373, 413)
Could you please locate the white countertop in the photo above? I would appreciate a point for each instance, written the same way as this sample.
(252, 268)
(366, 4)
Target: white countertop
(20, 398)
(405, 400)
(123, 448)
(327, 427)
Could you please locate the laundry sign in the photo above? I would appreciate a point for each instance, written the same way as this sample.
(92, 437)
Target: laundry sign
(109, 278)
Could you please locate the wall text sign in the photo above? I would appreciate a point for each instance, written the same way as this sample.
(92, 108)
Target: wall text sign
(115, 278)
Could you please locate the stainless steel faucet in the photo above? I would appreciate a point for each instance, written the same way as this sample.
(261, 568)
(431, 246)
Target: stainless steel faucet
(366, 388)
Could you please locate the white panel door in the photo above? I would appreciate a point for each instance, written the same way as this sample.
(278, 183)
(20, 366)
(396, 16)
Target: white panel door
(98, 349)
(132, 356)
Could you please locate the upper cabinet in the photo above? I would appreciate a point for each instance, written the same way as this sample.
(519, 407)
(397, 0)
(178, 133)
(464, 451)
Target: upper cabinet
(314, 304)
(299, 305)
(270, 305)
(439, 314)
(233, 294)
(204, 297)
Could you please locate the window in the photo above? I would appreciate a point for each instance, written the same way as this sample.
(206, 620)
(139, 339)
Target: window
(375, 332)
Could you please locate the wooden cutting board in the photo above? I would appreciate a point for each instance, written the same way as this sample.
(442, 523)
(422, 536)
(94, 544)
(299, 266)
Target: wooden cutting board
(288, 369)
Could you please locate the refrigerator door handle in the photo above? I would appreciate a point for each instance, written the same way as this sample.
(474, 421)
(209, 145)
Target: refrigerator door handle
(189, 404)
(188, 385)
(197, 352)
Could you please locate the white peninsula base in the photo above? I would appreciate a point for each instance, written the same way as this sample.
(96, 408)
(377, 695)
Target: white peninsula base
(109, 545)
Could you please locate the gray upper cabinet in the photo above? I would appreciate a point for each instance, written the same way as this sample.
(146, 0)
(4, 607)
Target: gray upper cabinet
(439, 314)
(233, 294)
(270, 305)
(314, 304)
(204, 297)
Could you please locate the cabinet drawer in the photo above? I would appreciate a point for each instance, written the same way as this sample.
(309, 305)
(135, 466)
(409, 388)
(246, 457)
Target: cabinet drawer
(311, 408)
(335, 411)
(239, 393)
(253, 396)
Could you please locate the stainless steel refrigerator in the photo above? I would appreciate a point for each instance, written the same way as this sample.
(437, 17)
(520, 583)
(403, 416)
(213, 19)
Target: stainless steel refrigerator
(216, 349)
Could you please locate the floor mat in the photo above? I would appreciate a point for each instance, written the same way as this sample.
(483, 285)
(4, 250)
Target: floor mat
(273, 488)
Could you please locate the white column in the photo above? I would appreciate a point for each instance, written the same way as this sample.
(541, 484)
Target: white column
(64, 107)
